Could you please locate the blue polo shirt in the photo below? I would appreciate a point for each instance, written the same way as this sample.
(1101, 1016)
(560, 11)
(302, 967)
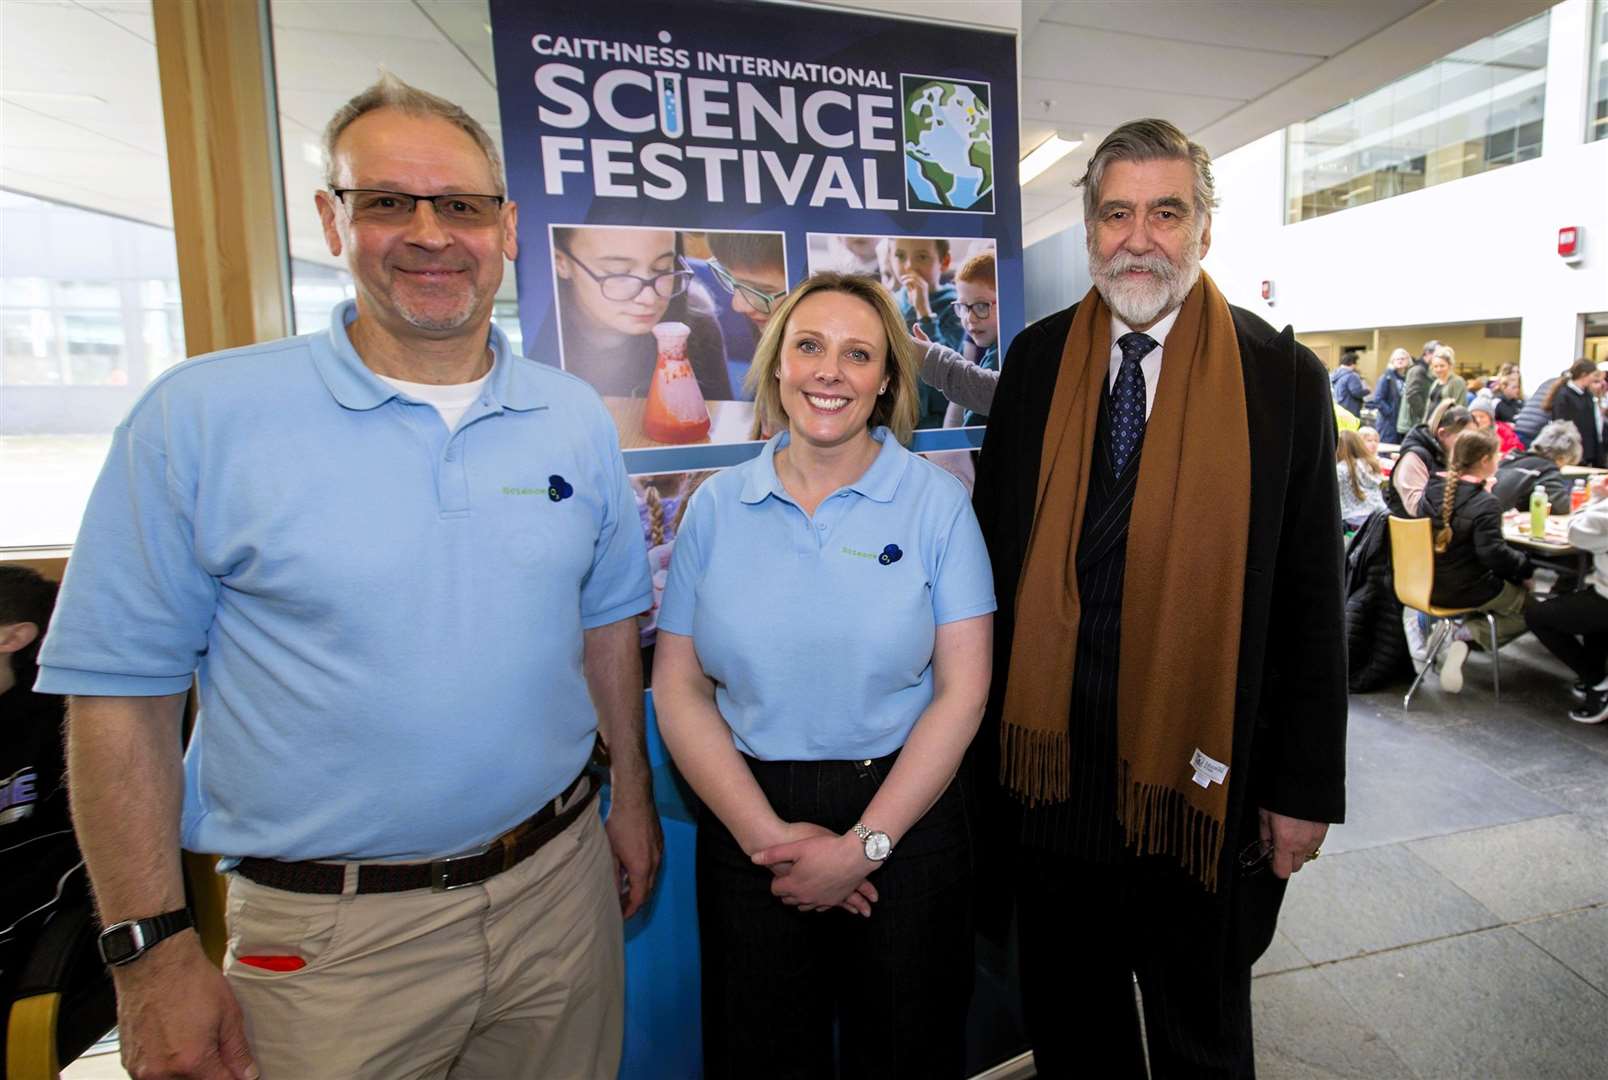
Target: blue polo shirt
(386, 616)
(818, 632)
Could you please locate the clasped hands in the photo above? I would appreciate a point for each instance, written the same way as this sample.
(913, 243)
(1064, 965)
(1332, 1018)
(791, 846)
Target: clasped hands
(814, 868)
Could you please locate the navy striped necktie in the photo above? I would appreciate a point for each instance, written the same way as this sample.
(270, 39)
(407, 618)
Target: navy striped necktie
(1128, 398)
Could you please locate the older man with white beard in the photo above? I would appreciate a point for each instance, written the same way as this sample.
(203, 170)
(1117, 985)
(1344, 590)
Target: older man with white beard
(1158, 492)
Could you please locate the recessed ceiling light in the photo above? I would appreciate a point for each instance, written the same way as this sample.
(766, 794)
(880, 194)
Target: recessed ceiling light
(1044, 155)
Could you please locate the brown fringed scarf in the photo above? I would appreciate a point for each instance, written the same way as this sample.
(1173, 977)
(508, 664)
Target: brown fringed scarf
(1182, 590)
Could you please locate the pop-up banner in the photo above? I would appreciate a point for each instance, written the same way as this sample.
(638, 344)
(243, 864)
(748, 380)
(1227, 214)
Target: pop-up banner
(678, 166)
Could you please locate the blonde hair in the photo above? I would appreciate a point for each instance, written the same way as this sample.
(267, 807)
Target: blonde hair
(1352, 449)
(1449, 417)
(1446, 353)
(1473, 446)
(898, 409)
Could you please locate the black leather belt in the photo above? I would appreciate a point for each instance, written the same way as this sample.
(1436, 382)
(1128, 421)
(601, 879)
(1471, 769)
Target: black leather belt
(505, 852)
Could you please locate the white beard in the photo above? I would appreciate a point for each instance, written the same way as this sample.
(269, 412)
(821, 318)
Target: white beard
(1140, 303)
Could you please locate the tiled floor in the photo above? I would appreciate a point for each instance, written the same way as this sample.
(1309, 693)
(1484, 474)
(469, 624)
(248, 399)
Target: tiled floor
(1457, 925)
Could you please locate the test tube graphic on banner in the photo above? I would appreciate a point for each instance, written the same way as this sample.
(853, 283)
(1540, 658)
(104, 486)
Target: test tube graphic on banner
(675, 412)
(669, 90)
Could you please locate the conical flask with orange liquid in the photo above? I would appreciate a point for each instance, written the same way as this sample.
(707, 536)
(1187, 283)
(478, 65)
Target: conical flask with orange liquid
(675, 411)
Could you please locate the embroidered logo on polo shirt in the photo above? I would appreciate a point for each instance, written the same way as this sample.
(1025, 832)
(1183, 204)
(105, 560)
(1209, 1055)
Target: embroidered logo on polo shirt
(887, 557)
(558, 489)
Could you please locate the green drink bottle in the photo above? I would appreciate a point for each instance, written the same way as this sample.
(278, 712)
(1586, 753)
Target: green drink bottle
(1538, 513)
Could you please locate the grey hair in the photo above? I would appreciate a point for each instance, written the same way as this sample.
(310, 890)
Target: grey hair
(1149, 140)
(390, 92)
(1560, 441)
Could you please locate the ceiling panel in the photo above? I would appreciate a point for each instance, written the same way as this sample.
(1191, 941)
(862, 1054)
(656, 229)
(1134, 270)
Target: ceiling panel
(378, 21)
(1086, 105)
(465, 24)
(1317, 28)
(80, 106)
(1130, 61)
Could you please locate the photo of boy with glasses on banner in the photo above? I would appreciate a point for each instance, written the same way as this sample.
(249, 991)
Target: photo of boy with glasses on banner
(746, 273)
(947, 293)
(707, 293)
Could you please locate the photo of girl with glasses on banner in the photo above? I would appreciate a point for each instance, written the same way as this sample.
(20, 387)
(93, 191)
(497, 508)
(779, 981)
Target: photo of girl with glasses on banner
(614, 285)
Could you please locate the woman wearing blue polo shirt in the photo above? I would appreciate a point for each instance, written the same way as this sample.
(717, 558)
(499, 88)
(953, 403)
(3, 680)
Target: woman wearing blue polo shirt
(822, 664)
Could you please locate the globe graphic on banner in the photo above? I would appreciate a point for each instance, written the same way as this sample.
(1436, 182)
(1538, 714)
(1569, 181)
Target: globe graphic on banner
(948, 145)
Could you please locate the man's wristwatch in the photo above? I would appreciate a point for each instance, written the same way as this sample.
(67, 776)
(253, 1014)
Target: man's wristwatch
(877, 844)
(125, 942)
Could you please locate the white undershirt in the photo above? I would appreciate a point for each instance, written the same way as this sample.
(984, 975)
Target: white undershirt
(451, 401)
(1150, 365)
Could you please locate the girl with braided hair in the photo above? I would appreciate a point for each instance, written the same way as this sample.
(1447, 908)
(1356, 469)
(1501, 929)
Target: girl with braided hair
(1474, 567)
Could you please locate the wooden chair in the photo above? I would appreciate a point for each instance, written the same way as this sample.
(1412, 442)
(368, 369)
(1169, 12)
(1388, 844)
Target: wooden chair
(1412, 558)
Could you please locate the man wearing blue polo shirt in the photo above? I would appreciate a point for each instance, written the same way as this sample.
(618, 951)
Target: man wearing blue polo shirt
(405, 564)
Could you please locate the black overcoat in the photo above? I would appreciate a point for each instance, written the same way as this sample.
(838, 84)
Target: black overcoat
(1290, 704)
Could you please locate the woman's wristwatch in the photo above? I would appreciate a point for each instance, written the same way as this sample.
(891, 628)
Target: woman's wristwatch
(877, 844)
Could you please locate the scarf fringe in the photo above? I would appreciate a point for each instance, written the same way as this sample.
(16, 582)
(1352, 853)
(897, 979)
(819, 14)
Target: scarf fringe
(1157, 820)
(1035, 765)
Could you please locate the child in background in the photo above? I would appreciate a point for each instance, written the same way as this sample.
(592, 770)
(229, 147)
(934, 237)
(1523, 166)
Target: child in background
(1360, 474)
(1474, 567)
(1574, 625)
(747, 272)
(856, 255)
(1484, 413)
(925, 301)
(41, 874)
(977, 301)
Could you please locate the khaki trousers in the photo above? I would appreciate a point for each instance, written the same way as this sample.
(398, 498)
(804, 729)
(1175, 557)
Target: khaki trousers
(521, 975)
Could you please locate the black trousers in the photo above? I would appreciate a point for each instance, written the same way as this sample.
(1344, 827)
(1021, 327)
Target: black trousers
(1575, 627)
(896, 986)
(1088, 929)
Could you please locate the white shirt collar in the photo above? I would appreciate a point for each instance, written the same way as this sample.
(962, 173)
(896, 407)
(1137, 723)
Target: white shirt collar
(1158, 333)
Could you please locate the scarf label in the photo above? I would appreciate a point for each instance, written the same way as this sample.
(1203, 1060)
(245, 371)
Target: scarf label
(1207, 770)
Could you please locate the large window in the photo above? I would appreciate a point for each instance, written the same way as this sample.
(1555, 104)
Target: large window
(1598, 120)
(1478, 109)
(89, 292)
(443, 48)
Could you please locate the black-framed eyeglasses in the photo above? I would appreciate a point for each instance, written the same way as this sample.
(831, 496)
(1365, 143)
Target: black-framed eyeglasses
(979, 310)
(667, 284)
(757, 298)
(377, 207)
